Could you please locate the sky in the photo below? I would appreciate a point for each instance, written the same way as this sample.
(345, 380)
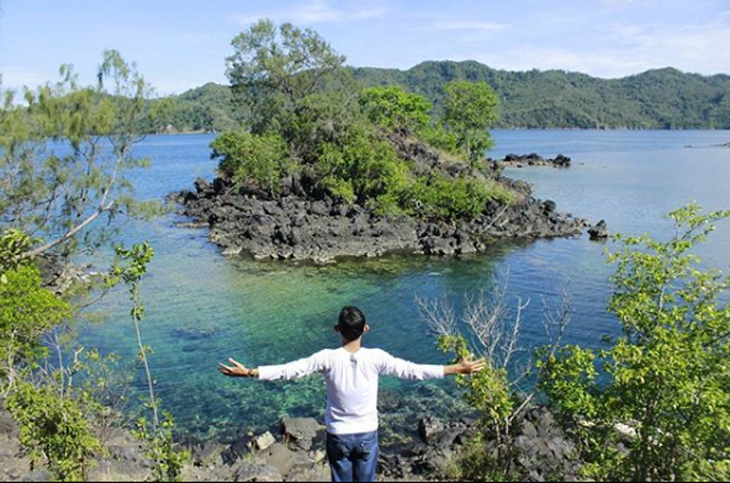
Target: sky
(182, 44)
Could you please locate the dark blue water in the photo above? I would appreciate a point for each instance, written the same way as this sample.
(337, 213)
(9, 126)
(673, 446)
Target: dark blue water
(203, 307)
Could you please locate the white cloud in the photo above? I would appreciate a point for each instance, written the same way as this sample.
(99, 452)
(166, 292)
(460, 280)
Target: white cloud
(315, 12)
(620, 49)
(703, 48)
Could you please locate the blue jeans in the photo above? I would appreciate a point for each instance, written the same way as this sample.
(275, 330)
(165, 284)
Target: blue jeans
(353, 457)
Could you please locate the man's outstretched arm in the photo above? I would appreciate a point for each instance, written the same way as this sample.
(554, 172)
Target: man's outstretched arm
(392, 366)
(317, 363)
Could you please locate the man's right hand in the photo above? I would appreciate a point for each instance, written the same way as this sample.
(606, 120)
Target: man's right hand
(238, 370)
(466, 366)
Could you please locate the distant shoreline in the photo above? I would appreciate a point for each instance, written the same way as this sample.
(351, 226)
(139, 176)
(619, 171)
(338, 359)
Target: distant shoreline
(556, 129)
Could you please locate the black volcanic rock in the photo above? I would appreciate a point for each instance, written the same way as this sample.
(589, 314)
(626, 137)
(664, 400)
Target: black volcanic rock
(323, 230)
(599, 231)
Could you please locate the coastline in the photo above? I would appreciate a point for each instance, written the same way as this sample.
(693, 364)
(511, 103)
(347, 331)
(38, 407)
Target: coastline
(294, 228)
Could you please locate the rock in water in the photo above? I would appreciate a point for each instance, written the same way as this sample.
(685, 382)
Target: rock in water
(599, 231)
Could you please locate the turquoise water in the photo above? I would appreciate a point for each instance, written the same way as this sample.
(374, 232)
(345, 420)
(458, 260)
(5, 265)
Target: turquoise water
(203, 308)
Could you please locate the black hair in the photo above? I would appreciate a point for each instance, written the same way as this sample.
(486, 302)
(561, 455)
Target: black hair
(351, 323)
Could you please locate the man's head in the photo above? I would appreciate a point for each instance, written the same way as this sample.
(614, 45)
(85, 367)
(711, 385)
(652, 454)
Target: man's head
(351, 324)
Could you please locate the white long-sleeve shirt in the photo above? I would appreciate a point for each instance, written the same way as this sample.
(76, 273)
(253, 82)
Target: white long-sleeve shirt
(352, 383)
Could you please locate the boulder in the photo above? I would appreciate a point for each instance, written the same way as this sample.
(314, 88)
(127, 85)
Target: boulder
(562, 161)
(300, 432)
(429, 427)
(202, 186)
(285, 460)
(599, 231)
(249, 471)
(264, 441)
(7, 424)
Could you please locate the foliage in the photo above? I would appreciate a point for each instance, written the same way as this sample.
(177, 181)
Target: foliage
(499, 392)
(656, 99)
(64, 155)
(441, 139)
(361, 168)
(666, 393)
(274, 70)
(305, 126)
(487, 326)
(391, 107)
(470, 110)
(442, 197)
(62, 424)
(27, 311)
(162, 449)
(245, 157)
(325, 118)
(130, 266)
(13, 244)
(55, 429)
(208, 108)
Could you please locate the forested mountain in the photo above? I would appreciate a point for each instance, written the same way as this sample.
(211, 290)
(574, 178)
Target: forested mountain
(656, 99)
(206, 108)
(664, 98)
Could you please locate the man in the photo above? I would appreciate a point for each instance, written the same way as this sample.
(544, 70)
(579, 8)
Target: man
(352, 373)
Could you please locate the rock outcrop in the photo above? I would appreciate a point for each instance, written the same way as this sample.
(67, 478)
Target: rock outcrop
(322, 230)
(599, 231)
(533, 159)
(298, 453)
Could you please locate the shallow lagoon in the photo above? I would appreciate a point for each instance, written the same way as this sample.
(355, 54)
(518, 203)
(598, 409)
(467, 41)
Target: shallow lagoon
(203, 307)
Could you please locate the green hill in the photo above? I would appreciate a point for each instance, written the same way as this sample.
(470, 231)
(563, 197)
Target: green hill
(656, 99)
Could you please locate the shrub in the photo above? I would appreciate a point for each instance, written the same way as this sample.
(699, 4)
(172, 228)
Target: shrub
(27, 311)
(55, 429)
(665, 388)
(439, 196)
(246, 157)
(361, 168)
(391, 107)
(442, 139)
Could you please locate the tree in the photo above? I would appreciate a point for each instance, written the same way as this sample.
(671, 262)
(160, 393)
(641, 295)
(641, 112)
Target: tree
(64, 156)
(56, 428)
(129, 267)
(272, 71)
(393, 108)
(501, 392)
(261, 160)
(54, 419)
(664, 392)
(470, 109)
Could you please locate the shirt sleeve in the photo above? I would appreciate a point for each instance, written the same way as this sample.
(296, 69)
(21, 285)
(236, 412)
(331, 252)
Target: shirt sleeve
(314, 364)
(392, 366)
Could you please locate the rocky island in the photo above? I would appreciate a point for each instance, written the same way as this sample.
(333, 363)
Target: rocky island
(300, 227)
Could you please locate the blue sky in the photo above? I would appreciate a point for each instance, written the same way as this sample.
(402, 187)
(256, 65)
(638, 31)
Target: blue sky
(183, 43)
